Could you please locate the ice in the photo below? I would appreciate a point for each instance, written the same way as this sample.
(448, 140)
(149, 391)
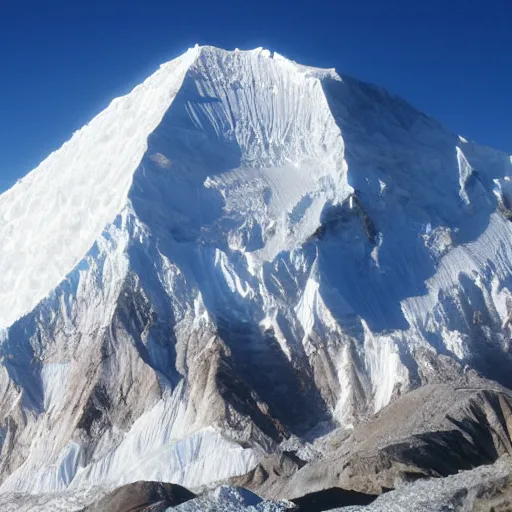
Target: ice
(54, 377)
(456, 493)
(239, 205)
(227, 499)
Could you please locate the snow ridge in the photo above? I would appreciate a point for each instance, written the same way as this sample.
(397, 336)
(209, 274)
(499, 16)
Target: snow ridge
(51, 218)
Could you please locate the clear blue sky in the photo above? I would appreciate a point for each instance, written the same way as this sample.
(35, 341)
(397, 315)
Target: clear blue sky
(62, 61)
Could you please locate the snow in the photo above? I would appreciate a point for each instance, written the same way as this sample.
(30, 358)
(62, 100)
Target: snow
(240, 189)
(54, 377)
(50, 218)
(156, 448)
(227, 499)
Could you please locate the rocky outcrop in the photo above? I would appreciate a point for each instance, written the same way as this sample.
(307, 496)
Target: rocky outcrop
(142, 497)
(329, 499)
(435, 431)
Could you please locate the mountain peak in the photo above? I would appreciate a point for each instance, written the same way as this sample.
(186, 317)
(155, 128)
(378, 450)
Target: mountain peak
(239, 251)
(63, 206)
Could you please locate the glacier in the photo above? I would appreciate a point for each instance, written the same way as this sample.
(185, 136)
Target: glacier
(241, 250)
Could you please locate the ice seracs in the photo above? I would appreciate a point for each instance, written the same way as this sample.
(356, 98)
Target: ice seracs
(238, 250)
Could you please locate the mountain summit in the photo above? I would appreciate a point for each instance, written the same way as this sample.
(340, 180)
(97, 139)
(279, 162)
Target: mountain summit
(240, 255)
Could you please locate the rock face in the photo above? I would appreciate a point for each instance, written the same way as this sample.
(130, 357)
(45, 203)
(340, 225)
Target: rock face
(142, 496)
(241, 252)
(434, 431)
(328, 499)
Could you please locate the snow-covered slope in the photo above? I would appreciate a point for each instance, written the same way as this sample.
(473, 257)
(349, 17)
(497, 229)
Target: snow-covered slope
(51, 218)
(239, 250)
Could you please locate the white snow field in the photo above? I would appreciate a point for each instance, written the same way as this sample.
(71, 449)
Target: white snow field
(51, 218)
(239, 249)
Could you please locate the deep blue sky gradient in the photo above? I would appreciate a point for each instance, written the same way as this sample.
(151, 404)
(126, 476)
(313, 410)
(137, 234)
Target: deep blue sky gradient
(63, 61)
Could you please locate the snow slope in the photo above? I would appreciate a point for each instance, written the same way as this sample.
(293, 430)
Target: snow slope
(50, 218)
(238, 250)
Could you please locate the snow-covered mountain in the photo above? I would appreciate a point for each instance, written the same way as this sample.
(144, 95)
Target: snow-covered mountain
(240, 253)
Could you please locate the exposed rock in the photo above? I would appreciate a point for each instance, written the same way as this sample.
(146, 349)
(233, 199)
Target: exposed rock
(270, 470)
(331, 498)
(436, 430)
(142, 497)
